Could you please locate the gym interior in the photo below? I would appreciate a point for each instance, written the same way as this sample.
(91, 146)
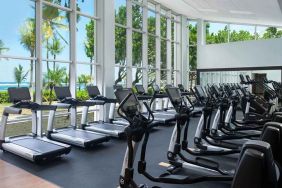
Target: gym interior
(141, 93)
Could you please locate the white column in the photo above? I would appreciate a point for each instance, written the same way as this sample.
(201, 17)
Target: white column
(129, 43)
(106, 50)
(168, 47)
(158, 45)
(145, 46)
(73, 65)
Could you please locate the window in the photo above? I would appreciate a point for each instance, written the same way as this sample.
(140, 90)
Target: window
(163, 54)
(137, 49)
(137, 76)
(86, 43)
(152, 77)
(120, 45)
(17, 34)
(269, 33)
(137, 15)
(120, 12)
(151, 22)
(86, 6)
(216, 33)
(163, 27)
(120, 76)
(152, 51)
(241, 33)
(192, 48)
(192, 26)
(56, 34)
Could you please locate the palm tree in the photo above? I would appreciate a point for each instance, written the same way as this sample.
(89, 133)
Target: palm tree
(55, 78)
(52, 23)
(19, 75)
(2, 47)
(83, 80)
(27, 39)
(89, 44)
(55, 48)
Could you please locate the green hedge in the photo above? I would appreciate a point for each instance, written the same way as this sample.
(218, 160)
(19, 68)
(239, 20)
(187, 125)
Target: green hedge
(82, 95)
(4, 97)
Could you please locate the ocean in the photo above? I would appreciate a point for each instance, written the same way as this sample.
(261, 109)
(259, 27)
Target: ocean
(5, 85)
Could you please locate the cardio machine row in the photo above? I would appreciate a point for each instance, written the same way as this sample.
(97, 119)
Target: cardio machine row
(255, 139)
(38, 147)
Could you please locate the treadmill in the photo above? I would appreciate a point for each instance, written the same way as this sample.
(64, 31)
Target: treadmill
(33, 147)
(72, 134)
(114, 130)
(160, 116)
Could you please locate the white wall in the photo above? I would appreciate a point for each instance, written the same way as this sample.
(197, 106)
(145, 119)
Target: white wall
(260, 53)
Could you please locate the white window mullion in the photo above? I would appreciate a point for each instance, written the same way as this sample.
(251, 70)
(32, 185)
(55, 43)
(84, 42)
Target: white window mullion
(168, 48)
(145, 46)
(73, 17)
(158, 45)
(178, 52)
(38, 63)
(129, 43)
(185, 51)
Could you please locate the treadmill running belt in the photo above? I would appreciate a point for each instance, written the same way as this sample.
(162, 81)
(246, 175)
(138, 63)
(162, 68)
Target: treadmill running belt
(37, 145)
(82, 134)
(108, 126)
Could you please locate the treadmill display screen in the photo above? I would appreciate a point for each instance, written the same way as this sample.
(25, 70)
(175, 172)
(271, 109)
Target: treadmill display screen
(140, 89)
(19, 94)
(131, 104)
(93, 91)
(174, 94)
(62, 92)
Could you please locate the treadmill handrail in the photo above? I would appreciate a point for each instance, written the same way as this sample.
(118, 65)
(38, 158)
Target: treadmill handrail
(11, 110)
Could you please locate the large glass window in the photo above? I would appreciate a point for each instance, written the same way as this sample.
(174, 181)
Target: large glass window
(86, 43)
(86, 6)
(120, 45)
(137, 15)
(56, 34)
(151, 22)
(137, 76)
(120, 11)
(241, 33)
(17, 33)
(152, 51)
(192, 26)
(163, 54)
(137, 49)
(163, 27)
(216, 33)
(120, 76)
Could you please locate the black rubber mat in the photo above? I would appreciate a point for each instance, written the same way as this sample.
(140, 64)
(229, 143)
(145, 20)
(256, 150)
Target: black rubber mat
(100, 167)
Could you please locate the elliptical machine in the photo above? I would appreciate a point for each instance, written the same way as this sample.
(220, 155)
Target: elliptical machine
(256, 158)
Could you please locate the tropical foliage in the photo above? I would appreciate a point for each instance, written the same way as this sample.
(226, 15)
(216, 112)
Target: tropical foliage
(2, 47)
(20, 75)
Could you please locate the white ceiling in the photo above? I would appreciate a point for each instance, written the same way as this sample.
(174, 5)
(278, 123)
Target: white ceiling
(261, 12)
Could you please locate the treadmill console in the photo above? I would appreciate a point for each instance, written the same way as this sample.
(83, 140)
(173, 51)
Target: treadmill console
(19, 94)
(93, 91)
(174, 95)
(140, 89)
(130, 106)
(62, 92)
